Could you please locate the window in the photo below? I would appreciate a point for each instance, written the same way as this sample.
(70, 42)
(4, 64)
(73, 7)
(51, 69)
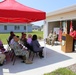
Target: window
(17, 27)
(24, 27)
(5, 27)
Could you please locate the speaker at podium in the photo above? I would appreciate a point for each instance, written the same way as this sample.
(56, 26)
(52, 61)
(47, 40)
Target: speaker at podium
(67, 43)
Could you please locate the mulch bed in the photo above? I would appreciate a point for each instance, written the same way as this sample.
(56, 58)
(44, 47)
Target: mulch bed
(72, 67)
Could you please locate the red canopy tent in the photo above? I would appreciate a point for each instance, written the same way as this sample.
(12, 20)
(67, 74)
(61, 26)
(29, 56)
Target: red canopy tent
(14, 12)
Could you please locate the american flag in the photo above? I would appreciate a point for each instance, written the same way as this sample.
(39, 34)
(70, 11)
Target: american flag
(60, 33)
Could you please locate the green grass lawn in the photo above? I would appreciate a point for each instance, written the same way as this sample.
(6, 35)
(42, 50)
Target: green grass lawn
(4, 36)
(61, 71)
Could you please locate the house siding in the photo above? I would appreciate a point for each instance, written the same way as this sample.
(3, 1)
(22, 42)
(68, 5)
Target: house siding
(12, 28)
(65, 15)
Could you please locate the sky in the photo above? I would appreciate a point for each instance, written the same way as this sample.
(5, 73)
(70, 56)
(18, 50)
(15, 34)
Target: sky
(47, 5)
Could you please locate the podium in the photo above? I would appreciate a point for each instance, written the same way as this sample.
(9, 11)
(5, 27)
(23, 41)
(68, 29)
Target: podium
(67, 43)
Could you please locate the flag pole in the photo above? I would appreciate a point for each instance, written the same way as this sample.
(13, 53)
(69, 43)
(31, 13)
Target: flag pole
(71, 26)
(66, 27)
(44, 50)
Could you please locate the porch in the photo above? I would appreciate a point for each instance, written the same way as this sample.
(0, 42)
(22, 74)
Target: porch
(54, 58)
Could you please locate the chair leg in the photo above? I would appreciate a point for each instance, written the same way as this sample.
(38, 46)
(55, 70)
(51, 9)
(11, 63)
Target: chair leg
(35, 53)
(29, 54)
(12, 56)
(14, 59)
(33, 56)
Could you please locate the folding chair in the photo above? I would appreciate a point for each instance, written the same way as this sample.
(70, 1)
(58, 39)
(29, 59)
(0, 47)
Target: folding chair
(14, 57)
(33, 53)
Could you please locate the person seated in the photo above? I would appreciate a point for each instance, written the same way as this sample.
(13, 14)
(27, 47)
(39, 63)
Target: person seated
(22, 35)
(53, 39)
(49, 38)
(29, 39)
(2, 54)
(23, 38)
(11, 36)
(12, 41)
(21, 50)
(2, 58)
(36, 46)
(25, 43)
(2, 47)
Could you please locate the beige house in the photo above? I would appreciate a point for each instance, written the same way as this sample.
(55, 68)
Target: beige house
(60, 18)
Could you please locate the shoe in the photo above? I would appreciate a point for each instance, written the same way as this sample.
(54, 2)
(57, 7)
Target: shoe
(28, 62)
(42, 47)
(1, 64)
(41, 56)
(22, 61)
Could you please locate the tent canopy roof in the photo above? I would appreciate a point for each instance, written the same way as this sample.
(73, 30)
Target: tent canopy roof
(12, 11)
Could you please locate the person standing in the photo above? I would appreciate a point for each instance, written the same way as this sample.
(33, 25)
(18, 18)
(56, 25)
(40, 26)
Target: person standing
(73, 34)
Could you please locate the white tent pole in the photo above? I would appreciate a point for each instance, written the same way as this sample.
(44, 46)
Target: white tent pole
(44, 50)
(26, 29)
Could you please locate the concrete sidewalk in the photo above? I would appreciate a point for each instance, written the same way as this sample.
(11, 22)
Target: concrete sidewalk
(54, 59)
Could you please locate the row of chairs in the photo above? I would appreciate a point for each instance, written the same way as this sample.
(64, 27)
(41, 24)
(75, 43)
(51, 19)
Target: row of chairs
(13, 55)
